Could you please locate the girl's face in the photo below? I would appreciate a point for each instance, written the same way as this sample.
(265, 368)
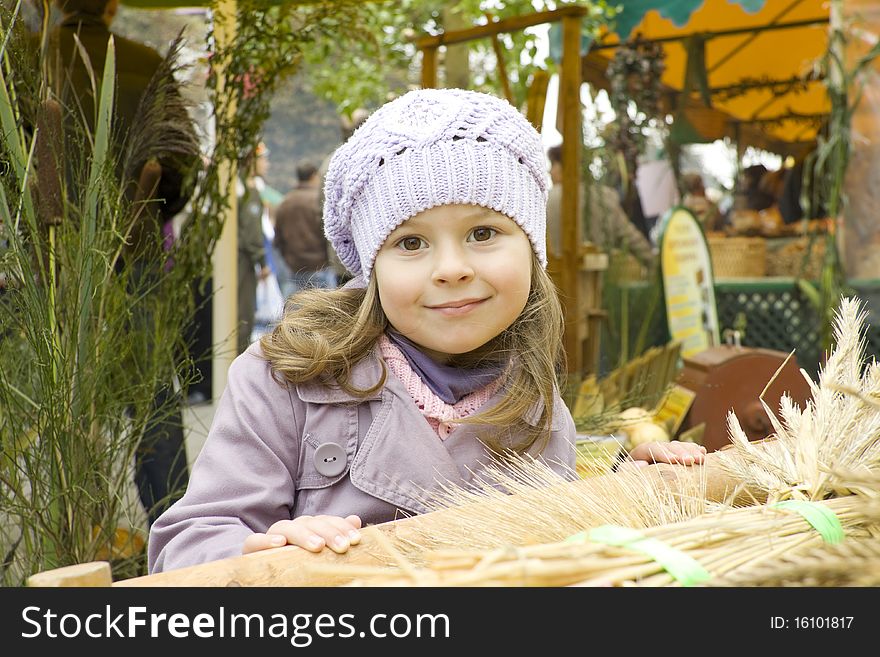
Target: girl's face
(453, 277)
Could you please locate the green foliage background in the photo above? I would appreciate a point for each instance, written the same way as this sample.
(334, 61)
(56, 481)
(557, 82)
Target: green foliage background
(85, 342)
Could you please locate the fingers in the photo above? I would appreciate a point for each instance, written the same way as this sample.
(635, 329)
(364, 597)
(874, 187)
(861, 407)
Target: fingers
(314, 533)
(678, 453)
(674, 452)
(257, 542)
(632, 465)
(688, 453)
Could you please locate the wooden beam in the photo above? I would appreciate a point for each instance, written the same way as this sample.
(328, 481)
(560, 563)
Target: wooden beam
(594, 70)
(502, 69)
(512, 24)
(537, 98)
(94, 573)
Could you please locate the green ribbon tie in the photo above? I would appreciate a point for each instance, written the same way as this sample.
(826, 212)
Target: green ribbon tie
(686, 570)
(822, 519)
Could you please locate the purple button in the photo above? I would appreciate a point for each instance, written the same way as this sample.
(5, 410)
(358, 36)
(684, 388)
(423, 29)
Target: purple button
(330, 459)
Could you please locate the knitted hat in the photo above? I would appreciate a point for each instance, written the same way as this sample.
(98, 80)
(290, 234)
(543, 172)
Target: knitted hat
(427, 148)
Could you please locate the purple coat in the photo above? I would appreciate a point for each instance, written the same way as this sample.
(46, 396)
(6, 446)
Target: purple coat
(259, 462)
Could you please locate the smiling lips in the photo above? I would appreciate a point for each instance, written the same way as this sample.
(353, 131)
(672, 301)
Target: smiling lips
(456, 308)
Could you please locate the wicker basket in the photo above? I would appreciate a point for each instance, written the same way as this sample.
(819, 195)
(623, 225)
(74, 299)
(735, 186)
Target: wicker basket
(624, 267)
(792, 259)
(738, 257)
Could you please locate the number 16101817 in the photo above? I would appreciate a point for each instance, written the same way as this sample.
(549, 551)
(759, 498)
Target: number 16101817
(823, 622)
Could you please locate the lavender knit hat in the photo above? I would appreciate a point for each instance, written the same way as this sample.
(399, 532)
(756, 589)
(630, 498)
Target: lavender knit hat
(433, 147)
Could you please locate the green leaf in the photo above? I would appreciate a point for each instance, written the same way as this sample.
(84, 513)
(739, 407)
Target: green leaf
(102, 135)
(14, 147)
(810, 292)
(93, 198)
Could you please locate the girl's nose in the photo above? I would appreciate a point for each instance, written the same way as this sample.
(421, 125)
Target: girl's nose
(451, 265)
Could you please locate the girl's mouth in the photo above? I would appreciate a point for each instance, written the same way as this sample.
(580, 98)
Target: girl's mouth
(457, 308)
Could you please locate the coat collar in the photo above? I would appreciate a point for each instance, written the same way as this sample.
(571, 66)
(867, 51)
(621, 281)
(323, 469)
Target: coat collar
(368, 372)
(365, 374)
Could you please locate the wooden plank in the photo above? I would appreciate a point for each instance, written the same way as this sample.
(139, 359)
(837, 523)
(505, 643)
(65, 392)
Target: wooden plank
(95, 573)
(429, 67)
(502, 69)
(289, 566)
(537, 98)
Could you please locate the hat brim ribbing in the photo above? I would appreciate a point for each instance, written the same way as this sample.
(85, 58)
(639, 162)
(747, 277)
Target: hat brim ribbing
(444, 173)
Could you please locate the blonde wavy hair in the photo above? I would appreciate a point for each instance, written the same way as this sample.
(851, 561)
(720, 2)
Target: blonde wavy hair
(323, 334)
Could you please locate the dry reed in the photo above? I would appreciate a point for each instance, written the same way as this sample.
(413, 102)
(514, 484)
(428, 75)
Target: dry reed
(856, 562)
(522, 501)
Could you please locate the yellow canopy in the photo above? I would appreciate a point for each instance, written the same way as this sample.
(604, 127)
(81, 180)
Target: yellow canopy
(791, 37)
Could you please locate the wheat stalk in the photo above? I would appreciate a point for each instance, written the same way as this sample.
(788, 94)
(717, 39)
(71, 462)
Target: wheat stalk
(837, 430)
(720, 542)
(853, 563)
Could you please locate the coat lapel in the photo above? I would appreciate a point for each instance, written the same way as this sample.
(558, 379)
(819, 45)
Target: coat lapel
(401, 459)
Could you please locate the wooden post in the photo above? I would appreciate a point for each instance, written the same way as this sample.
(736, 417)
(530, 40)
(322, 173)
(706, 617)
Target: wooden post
(572, 144)
(225, 257)
(456, 59)
(502, 69)
(537, 98)
(858, 233)
(429, 66)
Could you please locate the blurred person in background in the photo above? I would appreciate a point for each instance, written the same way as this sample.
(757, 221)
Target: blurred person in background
(751, 194)
(696, 201)
(299, 235)
(606, 225)
(252, 265)
(269, 300)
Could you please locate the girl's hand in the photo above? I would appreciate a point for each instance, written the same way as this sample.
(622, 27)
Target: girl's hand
(672, 452)
(311, 533)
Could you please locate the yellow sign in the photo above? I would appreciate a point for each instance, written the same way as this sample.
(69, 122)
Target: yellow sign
(687, 283)
(675, 406)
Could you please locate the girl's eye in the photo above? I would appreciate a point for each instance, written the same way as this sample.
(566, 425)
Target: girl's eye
(482, 234)
(410, 243)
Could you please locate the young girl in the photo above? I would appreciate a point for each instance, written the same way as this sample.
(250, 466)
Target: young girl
(442, 352)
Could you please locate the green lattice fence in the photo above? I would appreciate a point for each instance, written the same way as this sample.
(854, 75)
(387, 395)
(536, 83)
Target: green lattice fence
(777, 316)
(774, 315)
